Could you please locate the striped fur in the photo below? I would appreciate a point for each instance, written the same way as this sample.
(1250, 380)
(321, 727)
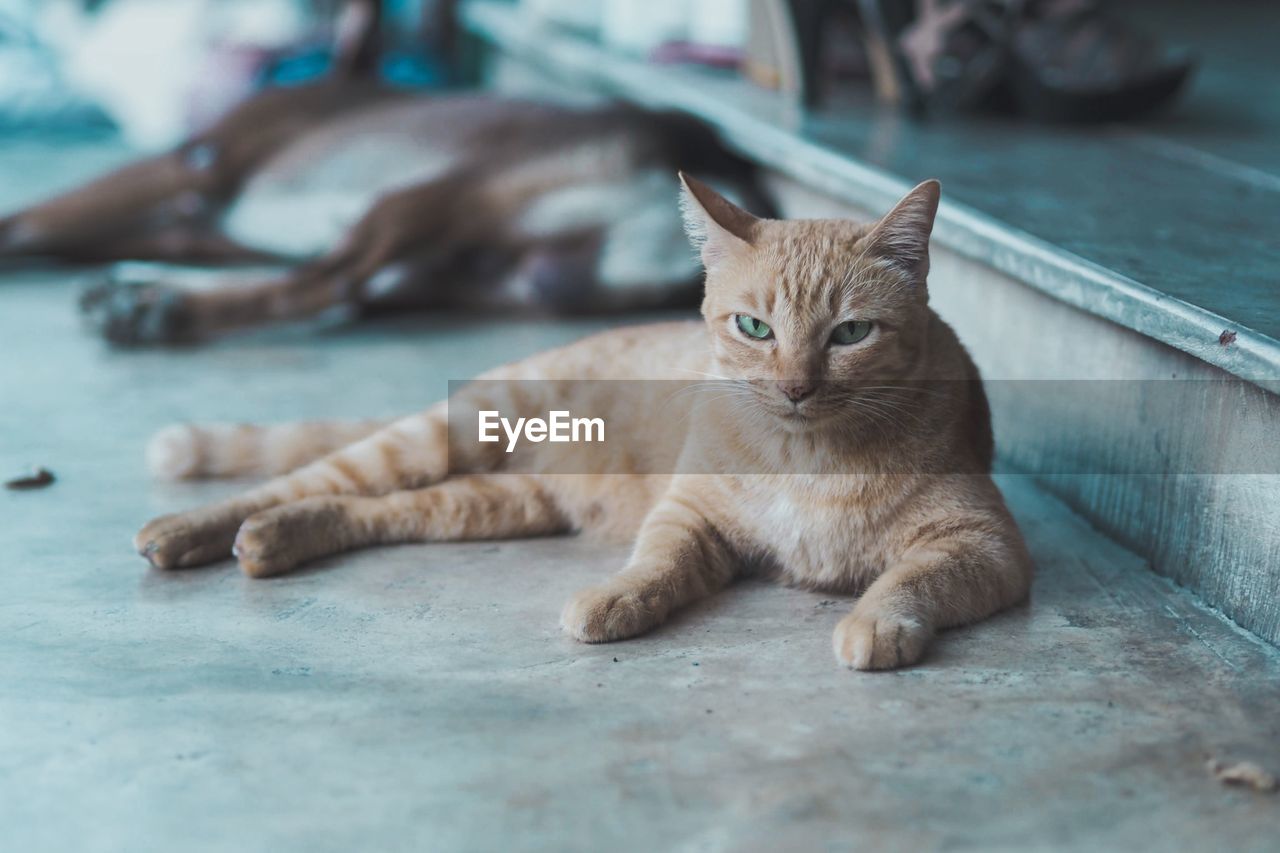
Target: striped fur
(206, 451)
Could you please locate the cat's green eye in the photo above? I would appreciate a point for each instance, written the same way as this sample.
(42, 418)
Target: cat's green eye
(753, 328)
(851, 331)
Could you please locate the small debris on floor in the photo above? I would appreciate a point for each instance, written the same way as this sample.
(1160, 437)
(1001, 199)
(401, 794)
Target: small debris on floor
(37, 479)
(615, 660)
(1242, 773)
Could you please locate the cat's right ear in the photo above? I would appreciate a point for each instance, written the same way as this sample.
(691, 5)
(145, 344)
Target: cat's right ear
(717, 227)
(902, 234)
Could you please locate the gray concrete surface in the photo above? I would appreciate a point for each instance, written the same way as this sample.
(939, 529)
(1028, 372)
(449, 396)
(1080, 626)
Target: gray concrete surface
(423, 698)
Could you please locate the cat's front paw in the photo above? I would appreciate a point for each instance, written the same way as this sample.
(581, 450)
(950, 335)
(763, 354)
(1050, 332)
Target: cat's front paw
(879, 640)
(187, 539)
(603, 614)
(276, 540)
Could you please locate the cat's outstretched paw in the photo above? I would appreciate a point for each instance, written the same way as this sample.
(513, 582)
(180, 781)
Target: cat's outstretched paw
(187, 539)
(879, 640)
(130, 313)
(276, 540)
(603, 614)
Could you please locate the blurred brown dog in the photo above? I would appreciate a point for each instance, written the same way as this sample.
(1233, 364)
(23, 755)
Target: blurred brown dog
(381, 198)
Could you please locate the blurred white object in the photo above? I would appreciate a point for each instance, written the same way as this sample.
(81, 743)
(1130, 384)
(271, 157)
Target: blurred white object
(150, 63)
(640, 26)
(33, 89)
(718, 23)
(138, 59)
(577, 14)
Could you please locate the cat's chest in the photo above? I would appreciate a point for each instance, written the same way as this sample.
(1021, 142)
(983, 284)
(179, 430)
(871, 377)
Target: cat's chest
(822, 543)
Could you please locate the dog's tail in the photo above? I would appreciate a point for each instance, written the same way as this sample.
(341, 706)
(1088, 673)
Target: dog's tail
(357, 42)
(191, 452)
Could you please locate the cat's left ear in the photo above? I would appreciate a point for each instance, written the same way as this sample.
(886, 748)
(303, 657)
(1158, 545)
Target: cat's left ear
(716, 226)
(902, 235)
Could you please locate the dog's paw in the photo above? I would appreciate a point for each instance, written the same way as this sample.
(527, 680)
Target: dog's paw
(131, 313)
(187, 539)
(879, 640)
(606, 613)
(276, 540)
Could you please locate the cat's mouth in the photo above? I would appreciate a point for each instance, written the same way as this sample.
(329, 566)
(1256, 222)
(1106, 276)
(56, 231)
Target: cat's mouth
(792, 415)
(798, 415)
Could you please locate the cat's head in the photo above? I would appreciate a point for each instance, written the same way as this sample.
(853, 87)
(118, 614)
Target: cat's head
(807, 309)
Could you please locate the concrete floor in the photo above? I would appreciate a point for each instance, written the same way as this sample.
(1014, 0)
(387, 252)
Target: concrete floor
(423, 698)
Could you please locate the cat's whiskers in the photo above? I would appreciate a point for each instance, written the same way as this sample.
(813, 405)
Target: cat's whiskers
(885, 412)
(727, 390)
(693, 388)
(708, 375)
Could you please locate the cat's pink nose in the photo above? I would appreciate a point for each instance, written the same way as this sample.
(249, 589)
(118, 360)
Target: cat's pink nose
(796, 389)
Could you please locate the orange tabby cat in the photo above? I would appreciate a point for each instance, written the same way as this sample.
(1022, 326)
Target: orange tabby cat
(799, 315)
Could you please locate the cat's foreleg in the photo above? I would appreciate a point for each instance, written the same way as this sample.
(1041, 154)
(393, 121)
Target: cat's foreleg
(483, 506)
(935, 585)
(410, 453)
(678, 558)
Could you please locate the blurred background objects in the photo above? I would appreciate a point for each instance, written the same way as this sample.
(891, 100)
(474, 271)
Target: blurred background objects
(160, 69)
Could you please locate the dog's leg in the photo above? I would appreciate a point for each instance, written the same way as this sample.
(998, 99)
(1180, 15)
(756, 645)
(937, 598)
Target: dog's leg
(120, 206)
(187, 186)
(414, 230)
(150, 313)
(178, 243)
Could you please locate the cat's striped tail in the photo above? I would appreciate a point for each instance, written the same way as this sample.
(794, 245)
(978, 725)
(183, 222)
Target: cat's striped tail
(192, 452)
